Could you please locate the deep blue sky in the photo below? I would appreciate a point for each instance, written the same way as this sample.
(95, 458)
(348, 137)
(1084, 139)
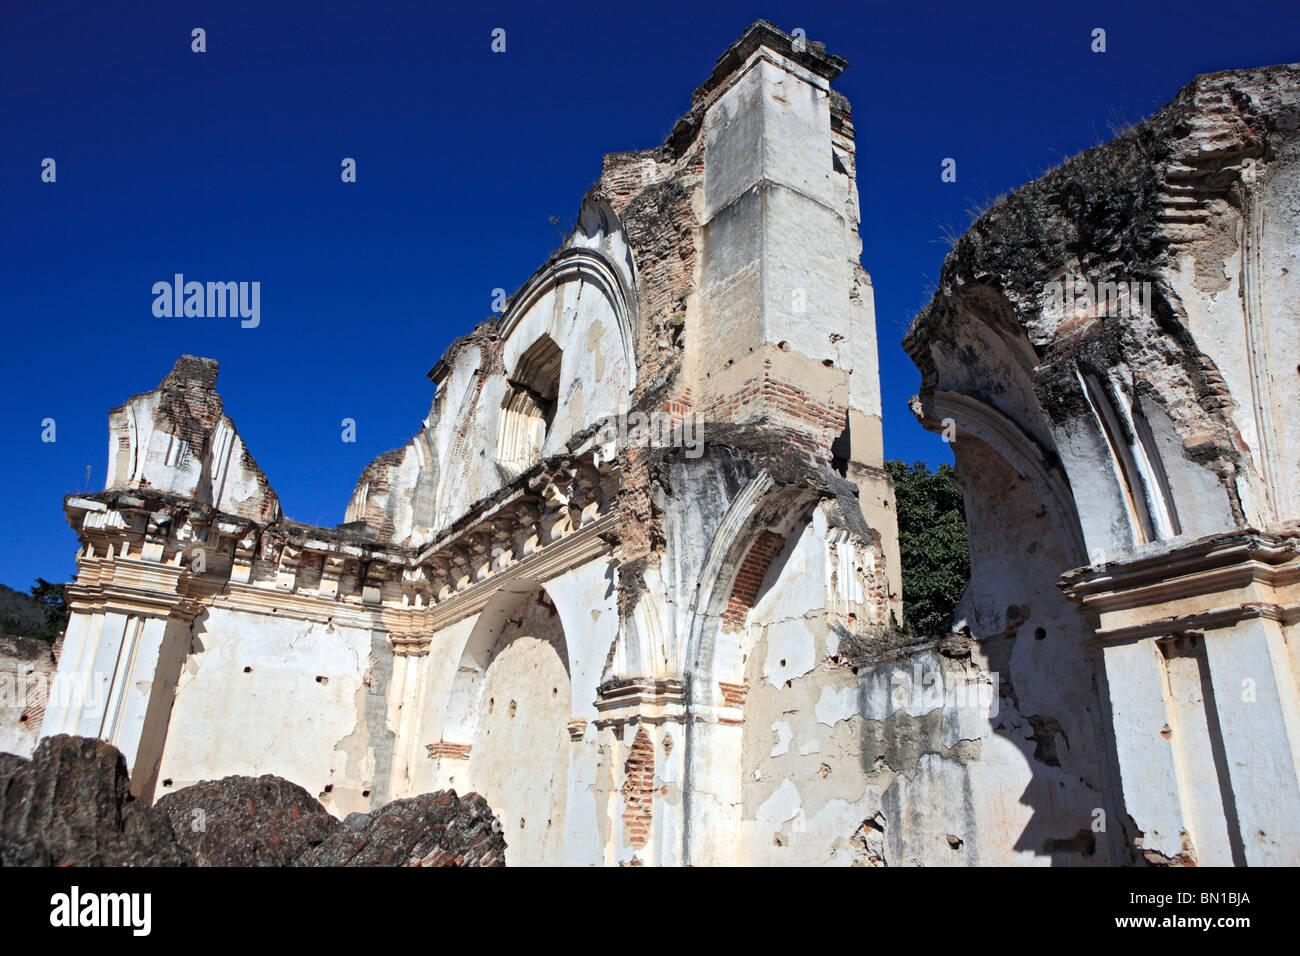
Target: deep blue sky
(225, 165)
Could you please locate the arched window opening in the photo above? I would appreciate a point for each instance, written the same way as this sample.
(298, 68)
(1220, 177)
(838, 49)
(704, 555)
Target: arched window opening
(529, 406)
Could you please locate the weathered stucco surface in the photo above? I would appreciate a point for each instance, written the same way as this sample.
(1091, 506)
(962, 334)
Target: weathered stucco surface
(673, 645)
(27, 669)
(665, 449)
(1132, 457)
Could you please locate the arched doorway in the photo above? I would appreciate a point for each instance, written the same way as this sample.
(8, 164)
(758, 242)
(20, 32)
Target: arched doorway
(511, 701)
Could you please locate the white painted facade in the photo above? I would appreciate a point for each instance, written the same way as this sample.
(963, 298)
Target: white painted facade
(641, 653)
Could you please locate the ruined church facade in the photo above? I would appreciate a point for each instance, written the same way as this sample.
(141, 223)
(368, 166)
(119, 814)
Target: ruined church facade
(645, 503)
(633, 581)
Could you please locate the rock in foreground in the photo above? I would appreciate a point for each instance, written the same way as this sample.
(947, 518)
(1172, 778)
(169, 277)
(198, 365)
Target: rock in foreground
(71, 805)
(433, 829)
(247, 821)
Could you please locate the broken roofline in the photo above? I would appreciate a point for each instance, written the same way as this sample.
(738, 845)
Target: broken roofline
(809, 54)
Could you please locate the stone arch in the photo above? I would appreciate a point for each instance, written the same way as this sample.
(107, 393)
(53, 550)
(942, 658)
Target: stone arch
(1109, 463)
(990, 426)
(585, 265)
(507, 714)
(760, 513)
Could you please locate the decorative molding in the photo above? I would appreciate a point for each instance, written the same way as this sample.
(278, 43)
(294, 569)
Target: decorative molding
(140, 552)
(1210, 584)
(640, 700)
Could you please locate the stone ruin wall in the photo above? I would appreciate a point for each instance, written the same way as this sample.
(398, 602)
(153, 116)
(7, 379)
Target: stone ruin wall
(27, 669)
(1128, 462)
(688, 646)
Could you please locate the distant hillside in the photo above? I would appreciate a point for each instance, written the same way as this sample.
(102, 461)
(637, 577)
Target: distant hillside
(23, 616)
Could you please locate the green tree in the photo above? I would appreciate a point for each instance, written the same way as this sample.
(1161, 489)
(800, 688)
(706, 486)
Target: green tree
(932, 545)
(50, 598)
(42, 614)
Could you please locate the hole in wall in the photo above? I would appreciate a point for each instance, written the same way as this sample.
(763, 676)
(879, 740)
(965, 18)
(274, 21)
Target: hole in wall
(1039, 634)
(248, 670)
(841, 450)
(167, 782)
(320, 679)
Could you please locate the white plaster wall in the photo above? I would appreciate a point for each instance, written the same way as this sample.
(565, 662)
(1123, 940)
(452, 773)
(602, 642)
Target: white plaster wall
(1146, 759)
(862, 357)
(277, 717)
(444, 659)
(140, 454)
(1198, 494)
(585, 602)
(1255, 692)
(779, 248)
(24, 682)
(520, 759)
(1280, 197)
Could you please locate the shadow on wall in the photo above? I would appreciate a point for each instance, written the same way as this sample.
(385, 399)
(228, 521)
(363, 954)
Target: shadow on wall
(991, 747)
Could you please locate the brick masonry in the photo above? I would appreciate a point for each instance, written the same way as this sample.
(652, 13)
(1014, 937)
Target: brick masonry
(733, 695)
(449, 750)
(750, 578)
(638, 790)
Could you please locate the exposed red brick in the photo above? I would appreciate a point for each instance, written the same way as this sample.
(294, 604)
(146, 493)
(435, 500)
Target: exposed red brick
(447, 749)
(638, 790)
(733, 695)
(750, 578)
